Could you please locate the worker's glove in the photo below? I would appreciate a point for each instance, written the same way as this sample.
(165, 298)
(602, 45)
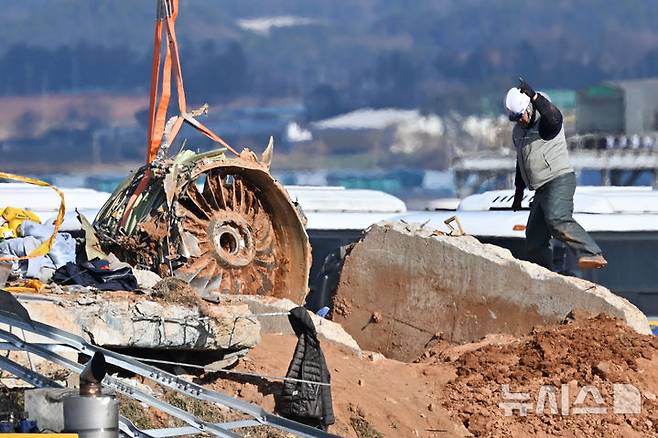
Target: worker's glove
(526, 89)
(518, 197)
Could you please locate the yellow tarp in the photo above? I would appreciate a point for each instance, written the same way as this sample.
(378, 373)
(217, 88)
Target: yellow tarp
(13, 218)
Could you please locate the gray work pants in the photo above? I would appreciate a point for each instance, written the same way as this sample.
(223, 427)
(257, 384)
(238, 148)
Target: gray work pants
(551, 214)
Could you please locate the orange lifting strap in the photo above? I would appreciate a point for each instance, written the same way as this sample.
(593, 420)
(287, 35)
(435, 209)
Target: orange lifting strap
(165, 26)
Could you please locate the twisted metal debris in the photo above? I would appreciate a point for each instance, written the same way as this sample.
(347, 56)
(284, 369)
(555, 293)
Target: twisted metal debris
(224, 225)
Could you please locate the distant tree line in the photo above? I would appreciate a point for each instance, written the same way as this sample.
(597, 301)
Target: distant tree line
(459, 80)
(328, 78)
(28, 70)
(210, 72)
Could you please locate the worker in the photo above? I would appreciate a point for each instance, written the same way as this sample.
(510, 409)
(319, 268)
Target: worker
(542, 165)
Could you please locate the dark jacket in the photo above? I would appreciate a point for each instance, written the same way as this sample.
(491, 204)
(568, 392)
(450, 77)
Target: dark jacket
(541, 148)
(305, 402)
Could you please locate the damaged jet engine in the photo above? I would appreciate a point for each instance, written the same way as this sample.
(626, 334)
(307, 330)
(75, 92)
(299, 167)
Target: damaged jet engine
(221, 224)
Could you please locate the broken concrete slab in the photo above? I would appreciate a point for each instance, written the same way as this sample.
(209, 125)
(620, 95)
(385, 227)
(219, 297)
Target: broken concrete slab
(278, 323)
(401, 286)
(121, 319)
(127, 320)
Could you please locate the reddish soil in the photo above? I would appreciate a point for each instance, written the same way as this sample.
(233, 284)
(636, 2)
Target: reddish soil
(455, 390)
(371, 394)
(600, 351)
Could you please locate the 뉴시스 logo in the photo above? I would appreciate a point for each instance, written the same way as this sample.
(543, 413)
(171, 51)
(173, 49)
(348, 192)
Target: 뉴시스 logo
(626, 399)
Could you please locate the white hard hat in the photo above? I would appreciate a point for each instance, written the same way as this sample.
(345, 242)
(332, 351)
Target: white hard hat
(516, 102)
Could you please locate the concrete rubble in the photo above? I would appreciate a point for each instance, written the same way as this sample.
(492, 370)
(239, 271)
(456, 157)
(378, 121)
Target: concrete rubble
(276, 320)
(404, 286)
(122, 320)
(443, 317)
(130, 320)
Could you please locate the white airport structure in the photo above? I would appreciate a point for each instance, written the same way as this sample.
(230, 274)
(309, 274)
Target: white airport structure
(623, 220)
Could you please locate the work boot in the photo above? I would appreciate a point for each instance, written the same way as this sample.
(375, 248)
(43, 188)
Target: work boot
(592, 262)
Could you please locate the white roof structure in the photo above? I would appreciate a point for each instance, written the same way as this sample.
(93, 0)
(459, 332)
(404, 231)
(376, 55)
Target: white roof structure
(263, 25)
(594, 200)
(326, 208)
(338, 208)
(368, 118)
(44, 202)
(597, 209)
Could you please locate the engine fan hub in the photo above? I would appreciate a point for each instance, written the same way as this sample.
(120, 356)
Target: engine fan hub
(231, 238)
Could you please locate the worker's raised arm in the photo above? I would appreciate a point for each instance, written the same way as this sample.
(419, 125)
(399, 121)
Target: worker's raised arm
(550, 123)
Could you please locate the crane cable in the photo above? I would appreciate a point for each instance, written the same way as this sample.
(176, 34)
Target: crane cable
(165, 26)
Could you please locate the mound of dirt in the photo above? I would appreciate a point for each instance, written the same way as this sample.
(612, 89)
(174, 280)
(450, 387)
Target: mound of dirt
(372, 396)
(564, 359)
(592, 376)
(457, 390)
